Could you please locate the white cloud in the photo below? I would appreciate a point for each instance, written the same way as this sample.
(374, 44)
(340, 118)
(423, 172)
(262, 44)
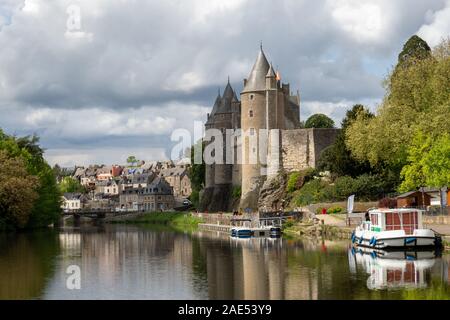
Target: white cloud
(362, 20)
(439, 28)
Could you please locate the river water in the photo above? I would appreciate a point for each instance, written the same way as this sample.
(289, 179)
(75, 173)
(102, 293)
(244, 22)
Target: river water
(150, 262)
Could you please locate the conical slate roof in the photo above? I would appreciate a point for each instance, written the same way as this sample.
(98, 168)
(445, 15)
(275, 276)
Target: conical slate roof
(270, 73)
(256, 80)
(215, 108)
(223, 104)
(228, 93)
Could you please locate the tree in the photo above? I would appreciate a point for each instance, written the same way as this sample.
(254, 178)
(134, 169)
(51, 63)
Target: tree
(414, 49)
(17, 192)
(337, 158)
(197, 174)
(46, 208)
(319, 120)
(428, 163)
(132, 161)
(417, 99)
(69, 184)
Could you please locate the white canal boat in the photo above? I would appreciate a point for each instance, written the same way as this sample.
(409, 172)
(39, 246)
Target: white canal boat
(395, 228)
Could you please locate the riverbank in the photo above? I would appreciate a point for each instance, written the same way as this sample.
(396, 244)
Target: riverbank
(177, 220)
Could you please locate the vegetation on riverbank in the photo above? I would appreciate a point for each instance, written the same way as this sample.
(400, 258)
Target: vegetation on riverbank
(299, 229)
(403, 146)
(177, 220)
(29, 195)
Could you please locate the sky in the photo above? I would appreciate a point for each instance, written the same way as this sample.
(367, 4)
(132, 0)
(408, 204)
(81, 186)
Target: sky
(101, 80)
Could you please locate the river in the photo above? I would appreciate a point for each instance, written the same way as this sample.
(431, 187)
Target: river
(151, 262)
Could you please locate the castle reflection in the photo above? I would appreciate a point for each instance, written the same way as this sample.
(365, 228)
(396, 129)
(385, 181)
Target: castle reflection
(151, 262)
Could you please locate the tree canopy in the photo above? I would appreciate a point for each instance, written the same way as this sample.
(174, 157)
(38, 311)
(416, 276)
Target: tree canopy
(41, 210)
(417, 100)
(337, 158)
(319, 120)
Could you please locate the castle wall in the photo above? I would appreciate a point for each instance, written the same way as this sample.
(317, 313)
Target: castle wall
(301, 148)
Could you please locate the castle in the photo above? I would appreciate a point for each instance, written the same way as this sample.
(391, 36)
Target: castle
(267, 139)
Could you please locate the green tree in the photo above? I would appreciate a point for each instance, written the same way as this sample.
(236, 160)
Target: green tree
(69, 184)
(46, 208)
(337, 158)
(132, 161)
(417, 99)
(319, 120)
(428, 163)
(414, 49)
(197, 174)
(17, 192)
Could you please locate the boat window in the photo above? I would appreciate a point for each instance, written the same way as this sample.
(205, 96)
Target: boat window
(374, 219)
(410, 222)
(407, 221)
(393, 221)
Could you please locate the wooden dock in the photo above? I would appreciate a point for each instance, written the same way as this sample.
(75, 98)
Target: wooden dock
(215, 227)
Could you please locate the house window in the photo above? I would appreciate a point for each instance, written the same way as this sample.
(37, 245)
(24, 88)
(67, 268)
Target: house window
(250, 113)
(252, 96)
(252, 131)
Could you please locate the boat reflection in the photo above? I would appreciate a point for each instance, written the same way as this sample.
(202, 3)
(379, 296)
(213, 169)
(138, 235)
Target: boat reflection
(393, 269)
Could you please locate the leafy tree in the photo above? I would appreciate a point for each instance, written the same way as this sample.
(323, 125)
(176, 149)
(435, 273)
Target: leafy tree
(69, 184)
(428, 163)
(319, 120)
(17, 192)
(337, 158)
(414, 49)
(132, 161)
(46, 208)
(417, 99)
(196, 174)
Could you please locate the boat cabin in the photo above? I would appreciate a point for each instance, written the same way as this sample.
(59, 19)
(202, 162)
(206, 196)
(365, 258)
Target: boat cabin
(394, 219)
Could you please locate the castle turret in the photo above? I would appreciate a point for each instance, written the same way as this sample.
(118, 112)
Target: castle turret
(253, 118)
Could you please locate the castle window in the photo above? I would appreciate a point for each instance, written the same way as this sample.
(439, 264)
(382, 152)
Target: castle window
(252, 96)
(250, 113)
(252, 131)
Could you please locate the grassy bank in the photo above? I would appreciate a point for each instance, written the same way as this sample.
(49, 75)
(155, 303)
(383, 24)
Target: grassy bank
(309, 229)
(177, 220)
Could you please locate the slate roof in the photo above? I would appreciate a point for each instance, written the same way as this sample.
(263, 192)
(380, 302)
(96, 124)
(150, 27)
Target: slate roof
(256, 80)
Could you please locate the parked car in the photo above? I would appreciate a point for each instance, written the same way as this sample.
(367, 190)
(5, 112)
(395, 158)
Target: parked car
(186, 202)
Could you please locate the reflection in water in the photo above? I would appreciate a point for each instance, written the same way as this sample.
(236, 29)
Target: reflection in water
(394, 269)
(26, 263)
(131, 262)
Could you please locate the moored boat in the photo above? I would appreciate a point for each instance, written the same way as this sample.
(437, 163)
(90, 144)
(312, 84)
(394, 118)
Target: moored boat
(395, 228)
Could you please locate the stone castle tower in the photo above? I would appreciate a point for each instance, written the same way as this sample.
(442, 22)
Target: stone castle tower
(266, 104)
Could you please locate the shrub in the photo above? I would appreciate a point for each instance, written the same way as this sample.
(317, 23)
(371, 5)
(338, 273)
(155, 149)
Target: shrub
(334, 209)
(311, 192)
(297, 179)
(236, 192)
(288, 224)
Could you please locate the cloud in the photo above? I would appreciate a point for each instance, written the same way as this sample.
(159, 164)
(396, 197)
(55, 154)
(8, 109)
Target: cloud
(438, 28)
(130, 72)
